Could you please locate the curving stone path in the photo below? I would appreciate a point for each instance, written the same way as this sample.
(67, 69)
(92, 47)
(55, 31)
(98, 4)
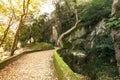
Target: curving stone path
(32, 66)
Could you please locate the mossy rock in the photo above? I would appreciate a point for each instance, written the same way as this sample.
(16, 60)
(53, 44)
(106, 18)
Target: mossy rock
(63, 70)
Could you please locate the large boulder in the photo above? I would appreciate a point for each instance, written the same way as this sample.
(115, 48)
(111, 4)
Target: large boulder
(116, 33)
(116, 8)
(116, 38)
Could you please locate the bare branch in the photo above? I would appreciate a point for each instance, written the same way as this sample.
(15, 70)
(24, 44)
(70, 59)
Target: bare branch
(23, 7)
(6, 31)
(59, 42)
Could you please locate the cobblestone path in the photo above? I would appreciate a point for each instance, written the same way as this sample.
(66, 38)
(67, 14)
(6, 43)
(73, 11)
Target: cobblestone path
(32, 66)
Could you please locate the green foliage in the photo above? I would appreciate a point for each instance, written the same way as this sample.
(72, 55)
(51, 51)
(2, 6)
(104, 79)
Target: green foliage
(63, 70)
(25, 34)
(104, 45)
(113, 22)
(42, 46)
(93, 66)
(29, 32)
(36, 31)
(99, 69)
(39, 31)
(100, 63)
(64, 14)
(8, 40)
(95, 11)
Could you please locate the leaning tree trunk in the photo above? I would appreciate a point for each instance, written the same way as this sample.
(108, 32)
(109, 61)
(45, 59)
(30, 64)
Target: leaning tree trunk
(7, 30)
(14, 46)
(115, 33)
(22, 20)
(59, 41)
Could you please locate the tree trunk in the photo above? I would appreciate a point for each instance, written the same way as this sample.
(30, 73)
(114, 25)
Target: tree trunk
(115, 33)
(59, 41)
(22, 20)
(6, 31)
(14, 46)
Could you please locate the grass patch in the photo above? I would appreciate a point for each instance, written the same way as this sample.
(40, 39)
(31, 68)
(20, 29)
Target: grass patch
(63, 70)
(42, 46)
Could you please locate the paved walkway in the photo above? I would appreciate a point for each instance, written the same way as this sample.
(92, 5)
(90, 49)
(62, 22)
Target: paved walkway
(33, 66)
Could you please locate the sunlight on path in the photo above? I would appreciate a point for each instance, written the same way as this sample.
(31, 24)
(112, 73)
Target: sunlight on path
(33, 66)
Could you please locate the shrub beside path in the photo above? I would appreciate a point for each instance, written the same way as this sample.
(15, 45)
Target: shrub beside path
(32, 66)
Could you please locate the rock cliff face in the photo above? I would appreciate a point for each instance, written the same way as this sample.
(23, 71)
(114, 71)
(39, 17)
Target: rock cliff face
(116, 33)
(116, 8)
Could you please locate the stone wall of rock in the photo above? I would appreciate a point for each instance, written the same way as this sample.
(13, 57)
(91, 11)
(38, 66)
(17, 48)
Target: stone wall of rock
(116, 33)
(116, 8)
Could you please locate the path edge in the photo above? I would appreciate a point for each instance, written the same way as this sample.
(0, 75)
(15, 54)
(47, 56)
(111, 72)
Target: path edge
(9, 60)
(61, 67)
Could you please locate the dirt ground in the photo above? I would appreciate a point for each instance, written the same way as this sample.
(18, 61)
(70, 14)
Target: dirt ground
(32, 66)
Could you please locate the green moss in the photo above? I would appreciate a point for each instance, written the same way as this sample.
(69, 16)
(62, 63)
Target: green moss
(41, 46)
(63, 70)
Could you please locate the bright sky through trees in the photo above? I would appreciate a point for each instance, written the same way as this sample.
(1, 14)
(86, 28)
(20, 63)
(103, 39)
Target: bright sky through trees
(47, 7)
